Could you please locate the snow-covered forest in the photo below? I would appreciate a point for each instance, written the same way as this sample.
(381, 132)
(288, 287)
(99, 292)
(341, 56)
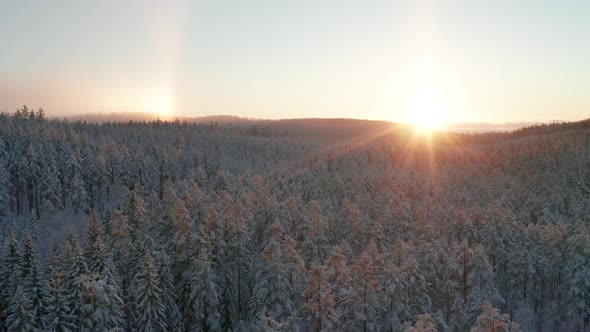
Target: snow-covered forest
(298, 225)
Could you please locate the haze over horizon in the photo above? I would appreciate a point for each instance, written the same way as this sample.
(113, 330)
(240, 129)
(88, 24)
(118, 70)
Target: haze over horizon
(144, 116)
(392, 60)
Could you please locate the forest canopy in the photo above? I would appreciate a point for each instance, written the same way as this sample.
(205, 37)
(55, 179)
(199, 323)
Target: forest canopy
(294, 225)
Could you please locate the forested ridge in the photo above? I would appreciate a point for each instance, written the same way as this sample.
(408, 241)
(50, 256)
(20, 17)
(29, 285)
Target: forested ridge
(285, 226)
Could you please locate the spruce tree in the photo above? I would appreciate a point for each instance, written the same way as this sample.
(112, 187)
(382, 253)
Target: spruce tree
(491, 319)
(320, 300)
(423, 323)
(151, 312)
(18, 315)
(10, 275)
(315, 245)
(34, 285)
(367, 288)
(57, 318)
(274, 281)
(204, 296)
(4, 185)
(239, 251)
(578, 274)
(168, 295)
(125, 262)
(340, 280)
(103, 277)
(74, 281)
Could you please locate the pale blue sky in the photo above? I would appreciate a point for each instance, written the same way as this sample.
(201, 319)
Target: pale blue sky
(496, 61)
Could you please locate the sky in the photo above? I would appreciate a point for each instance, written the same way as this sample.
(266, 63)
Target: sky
(446, 61)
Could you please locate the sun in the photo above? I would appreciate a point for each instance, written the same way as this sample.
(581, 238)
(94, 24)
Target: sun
(160, 104)
(427, 97)
(426, 112)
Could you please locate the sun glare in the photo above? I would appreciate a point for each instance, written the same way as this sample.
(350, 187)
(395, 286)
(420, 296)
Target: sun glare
(160, 104)
(427, 113)
(426, 108)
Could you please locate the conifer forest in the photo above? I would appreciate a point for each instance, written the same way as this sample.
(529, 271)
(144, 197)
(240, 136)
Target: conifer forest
(291, 225)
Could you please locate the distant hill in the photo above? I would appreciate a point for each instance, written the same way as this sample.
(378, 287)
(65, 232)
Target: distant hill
(309, 129)
(481, 127)
(140, 116)
(342, 130)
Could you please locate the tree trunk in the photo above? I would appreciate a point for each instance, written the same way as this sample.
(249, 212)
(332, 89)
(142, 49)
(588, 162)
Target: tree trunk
(365, 307)
(465, 274)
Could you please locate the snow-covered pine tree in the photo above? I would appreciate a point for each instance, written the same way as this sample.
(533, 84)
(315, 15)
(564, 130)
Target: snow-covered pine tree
(204, 295)
(154, 216)
(481, 280)
(293, 218)
(74, 280)
(320, 300)
(34, 171)
(4, 184)
(168, 295)
(108, 306)
(366, 303)
(136, 214)
(169, 198)
(395, 296)
(18, 316)
(213, 233)
(195, 201)
(441, 269)
(33, 286)
(315, 246)
(418, 297)
(492, 320)
(578, 274)
(77, 195)
(295, 268)
(350, 222)
(179, 248)
(478, 284)
(265, 211)
(151, 312)
(340, 279)
(239, 251)
(10, 274)
(57, 318)
(274, 285)
(50, 189)
(423, 323)
(125, 263)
